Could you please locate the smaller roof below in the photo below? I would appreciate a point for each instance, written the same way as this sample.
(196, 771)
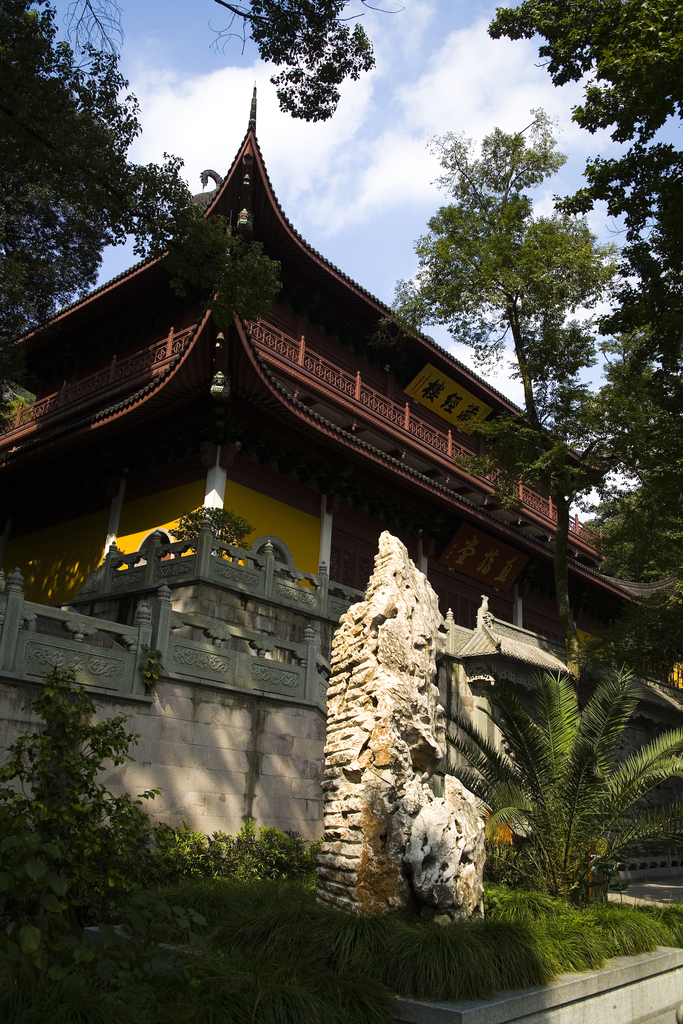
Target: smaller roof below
(641, 589)
(496, 637)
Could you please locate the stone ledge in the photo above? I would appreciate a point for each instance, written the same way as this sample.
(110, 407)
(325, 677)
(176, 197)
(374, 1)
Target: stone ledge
(99, 692)
(629, 990)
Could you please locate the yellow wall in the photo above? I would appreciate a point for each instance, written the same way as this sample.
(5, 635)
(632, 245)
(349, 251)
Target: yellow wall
(299, 531)
(161, 510)
(56, 561)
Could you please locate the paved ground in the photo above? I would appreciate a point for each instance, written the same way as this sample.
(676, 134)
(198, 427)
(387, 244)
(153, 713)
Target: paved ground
(659, 891)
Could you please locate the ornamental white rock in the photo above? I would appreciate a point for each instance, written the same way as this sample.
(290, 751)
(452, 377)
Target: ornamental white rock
(445, 853)
(385, 737)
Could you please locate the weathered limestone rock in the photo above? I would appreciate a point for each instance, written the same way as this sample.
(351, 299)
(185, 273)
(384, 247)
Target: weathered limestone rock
(385, 737)
(445, 854)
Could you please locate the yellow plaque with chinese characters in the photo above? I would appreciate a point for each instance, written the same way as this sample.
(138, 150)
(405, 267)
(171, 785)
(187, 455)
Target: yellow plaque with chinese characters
(437, 392)
(484, 558)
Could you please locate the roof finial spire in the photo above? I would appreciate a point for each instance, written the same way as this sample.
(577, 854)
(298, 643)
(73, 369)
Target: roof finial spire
(252, 112)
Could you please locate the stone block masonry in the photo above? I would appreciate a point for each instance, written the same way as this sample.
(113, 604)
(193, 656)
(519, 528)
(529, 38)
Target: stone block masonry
(211, 753)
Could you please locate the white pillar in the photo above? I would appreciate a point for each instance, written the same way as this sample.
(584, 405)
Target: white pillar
(216, 479)
(326, 519)
(517, 608)
(422, 557)
(115, 515)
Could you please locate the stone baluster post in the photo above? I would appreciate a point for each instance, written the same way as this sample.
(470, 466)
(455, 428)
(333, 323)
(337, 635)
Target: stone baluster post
(323, 588)
(161, 621)
(204, 544)
(310, 684)
(143, 621)
(107, 568)
(450, 628)
(151, 554)
(14, 603)
(270, 569)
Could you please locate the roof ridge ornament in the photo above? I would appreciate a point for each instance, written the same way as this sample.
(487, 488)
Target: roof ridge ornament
(252, 113)
(208, 173)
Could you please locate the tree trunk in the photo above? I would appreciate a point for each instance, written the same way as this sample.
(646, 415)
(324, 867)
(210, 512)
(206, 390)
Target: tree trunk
(562, 582)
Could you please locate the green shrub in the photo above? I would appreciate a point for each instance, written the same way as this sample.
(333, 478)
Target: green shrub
(226, 525)
(63, 830)
(265, 853)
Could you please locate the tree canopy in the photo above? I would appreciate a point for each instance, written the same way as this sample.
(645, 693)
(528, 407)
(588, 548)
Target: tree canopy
(311, 40)
(69, 189)
(497, 275)
(68, 186)
(628, 55)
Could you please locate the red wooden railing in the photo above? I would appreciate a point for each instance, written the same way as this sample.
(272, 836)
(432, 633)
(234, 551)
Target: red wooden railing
(135, 370)
(398, 414)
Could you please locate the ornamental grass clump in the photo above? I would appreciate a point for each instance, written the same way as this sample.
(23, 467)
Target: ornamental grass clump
(559, 786)
(266, 951)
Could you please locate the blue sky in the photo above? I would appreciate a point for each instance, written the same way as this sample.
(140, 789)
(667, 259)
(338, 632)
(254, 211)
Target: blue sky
(359, 187)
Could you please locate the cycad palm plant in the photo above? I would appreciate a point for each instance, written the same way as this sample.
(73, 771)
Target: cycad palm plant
(560, 783)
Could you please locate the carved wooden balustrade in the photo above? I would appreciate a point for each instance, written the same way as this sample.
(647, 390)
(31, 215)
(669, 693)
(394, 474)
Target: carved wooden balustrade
(121, 374)
(402, 416)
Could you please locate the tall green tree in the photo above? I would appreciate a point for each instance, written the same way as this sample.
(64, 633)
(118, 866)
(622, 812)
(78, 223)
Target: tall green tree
(628, 55)
(561, 785)
(502, 279)
(639, 514)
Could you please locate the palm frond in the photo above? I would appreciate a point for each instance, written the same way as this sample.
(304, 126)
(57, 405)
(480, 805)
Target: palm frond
(492, 764)
(605, 717)
(527, 741)
(654, 823)
(641, 771)
(558, 709)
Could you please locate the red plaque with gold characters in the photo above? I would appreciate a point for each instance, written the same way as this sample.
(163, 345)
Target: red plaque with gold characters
(483, 558)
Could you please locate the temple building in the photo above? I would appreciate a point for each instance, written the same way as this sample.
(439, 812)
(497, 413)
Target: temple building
(316, 433)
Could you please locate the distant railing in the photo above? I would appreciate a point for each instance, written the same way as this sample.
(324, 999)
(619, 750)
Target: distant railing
(399, 415)
(119, 374)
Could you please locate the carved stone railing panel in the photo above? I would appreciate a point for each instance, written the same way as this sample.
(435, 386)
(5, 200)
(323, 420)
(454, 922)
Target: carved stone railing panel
(239, 657)
(36, 638)
(93, 666)
(246, 571)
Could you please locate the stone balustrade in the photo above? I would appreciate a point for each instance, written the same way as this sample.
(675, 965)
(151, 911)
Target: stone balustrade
(36, 638)
(194, 648)
(257, 572)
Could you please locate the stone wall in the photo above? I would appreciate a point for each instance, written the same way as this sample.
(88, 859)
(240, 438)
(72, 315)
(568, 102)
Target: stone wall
(218, 757)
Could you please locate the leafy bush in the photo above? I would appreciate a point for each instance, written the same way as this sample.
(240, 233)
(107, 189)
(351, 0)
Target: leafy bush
(50, 796)
(265, 853)
(226, 525)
